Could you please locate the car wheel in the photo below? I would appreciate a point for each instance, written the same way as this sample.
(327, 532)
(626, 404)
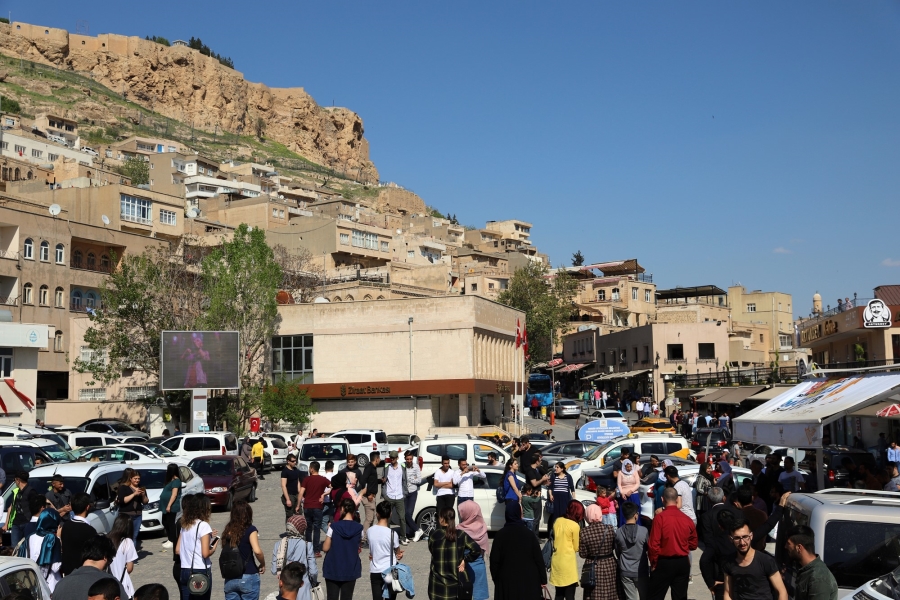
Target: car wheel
(427, 521)
(362, 460)
(230, 503)
(252, 496)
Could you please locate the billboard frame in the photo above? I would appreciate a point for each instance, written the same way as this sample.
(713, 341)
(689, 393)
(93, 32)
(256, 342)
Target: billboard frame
(207, 387)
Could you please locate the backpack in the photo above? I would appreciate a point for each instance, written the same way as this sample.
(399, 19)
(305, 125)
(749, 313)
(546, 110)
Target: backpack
(547, 551)
(231, 563)
(501, 491)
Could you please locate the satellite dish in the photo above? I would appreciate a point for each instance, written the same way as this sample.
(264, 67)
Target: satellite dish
(192, 213)
(55, 209)
(105, 219)
(321, 300)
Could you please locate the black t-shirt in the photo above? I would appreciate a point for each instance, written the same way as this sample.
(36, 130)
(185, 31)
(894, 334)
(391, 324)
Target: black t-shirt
(134, 506)
(532, 474)
(293, 480)
(752, 582)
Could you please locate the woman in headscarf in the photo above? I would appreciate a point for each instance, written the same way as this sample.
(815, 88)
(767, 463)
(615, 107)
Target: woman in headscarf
(517, 566)
(471, 521)
(596, 548)
(702, 485)
(566, 542)
(293, 547)
(726, 479)
(44, 548)
(629, 487)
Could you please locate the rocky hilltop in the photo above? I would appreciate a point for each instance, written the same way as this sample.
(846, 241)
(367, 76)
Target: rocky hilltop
(183, 84)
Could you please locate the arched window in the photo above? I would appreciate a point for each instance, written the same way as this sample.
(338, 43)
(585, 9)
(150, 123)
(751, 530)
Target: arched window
(348, 299)
(91, 260)
(58, 342)
(336, 299)
(30, 175)
(615, 293)
(104, 262)
(367, 297)
(76, 300)
(59, 297)
(60, 254)
(5, 174)
(45, 251)
(28, 295)
(16, 173)
(76, 259)
(29, 249)
(44, 296)
(90, 300)
(380, 298)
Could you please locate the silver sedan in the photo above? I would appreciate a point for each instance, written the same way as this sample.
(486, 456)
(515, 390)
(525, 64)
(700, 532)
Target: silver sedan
(567, 408)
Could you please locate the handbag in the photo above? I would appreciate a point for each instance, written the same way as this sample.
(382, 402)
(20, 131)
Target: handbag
(315, 589)
(396, 585)
(465, 586)
(588, 579)
(545, 593)
(198, 582)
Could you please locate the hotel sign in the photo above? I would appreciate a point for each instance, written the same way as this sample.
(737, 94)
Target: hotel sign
(364, 390)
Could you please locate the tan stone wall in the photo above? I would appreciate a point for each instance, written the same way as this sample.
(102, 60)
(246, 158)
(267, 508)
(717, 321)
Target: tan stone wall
(75, 413)
(394, 415)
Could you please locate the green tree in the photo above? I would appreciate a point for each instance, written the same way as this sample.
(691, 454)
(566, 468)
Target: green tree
(577, 259)
(287, 401)
(9, 105)
(546, 302)
(260, 128)
(136, 169)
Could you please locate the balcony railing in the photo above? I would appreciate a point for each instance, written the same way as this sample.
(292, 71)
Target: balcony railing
(86, 266)
(11, 254)
(136, 219)
(9, 301)
(764, 375)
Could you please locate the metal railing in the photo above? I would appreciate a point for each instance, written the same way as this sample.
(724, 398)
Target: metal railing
(136, 219)
(11, 254)
(85, 266)
(736, 377)
(9, 301)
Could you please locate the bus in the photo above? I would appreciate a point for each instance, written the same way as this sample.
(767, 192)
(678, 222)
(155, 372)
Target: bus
(540, 387)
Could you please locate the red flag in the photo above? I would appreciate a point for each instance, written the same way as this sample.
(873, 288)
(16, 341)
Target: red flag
(525, 343)
(518, 335)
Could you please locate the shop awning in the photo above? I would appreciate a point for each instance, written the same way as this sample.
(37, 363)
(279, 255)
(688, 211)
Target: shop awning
(698, 393)
(870, 411)
(592, 377)
(772, 392)
(795, 418)
(734, 395)
(572, 368)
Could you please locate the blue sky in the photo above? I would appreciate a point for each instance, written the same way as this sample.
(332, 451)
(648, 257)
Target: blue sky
(716, 142)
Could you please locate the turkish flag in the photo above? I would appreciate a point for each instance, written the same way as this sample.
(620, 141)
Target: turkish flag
(518, 335)
(254, 424)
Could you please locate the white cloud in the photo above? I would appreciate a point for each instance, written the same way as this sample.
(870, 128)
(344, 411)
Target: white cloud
(890, 262)
(781, 250)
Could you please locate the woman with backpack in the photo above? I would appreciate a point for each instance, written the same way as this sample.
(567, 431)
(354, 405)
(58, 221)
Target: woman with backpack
(123, 563)
(511, 492)
(342, 566)
(194, 547)
(451, 549)
(293, 547)
(240, 543)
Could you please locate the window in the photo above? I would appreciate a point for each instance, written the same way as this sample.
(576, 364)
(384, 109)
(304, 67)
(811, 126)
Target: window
(167, 217)
(91, 260)
(59, 297)
(274, 212)
(706, 351)
(91, 394)
(28, 297)
(364, 239)
(474, 287)
(60, 254)
(58, 342)
(90, 300)
(20, 150)
(761, 338)
(6, 357)
(784, 340)
(104, 263)
(280, 214)
(292, 357)
(751, 307)
(136, 210)
(675, 351)
(37, 153)
(140, 392)
(634, 292)
(89, 355)
(53, 157)
(490, 285)
(45, 251)
(44, 296)
(410, 254)
(601, 295)
(77, 259)
(385, 247)
(76, 300)
(23, 582)
(345, 239)
(615, 294)
(646, 357)
(28, 251)
(646, 295)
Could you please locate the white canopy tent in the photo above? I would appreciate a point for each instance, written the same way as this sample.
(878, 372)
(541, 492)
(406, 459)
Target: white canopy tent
(797, 417)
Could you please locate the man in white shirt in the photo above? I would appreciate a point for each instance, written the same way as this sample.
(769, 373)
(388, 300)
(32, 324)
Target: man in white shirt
(603, 398)
(790, 479)
(464, 478)
(395, 490)
(685, 492)
(413, 481)
(443, 485)
(383, 544)
(639, 408)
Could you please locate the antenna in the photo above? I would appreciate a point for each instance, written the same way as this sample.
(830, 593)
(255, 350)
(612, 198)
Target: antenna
(55, 209)
(105, 219)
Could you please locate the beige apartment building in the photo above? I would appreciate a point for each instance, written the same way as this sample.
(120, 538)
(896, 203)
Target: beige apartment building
(481, 273)
(772, 309)
(59, 126)
(401, 365)
(37, 150)
(617, 294)
(438, 228)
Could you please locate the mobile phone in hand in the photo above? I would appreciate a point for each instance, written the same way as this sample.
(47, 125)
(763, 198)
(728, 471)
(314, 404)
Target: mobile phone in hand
(214, 540)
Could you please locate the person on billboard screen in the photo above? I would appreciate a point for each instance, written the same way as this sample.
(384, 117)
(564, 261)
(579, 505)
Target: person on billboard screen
(196, 376)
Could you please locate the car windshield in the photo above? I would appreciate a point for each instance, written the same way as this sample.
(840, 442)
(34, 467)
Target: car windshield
(323, 451)
(152, 479)
(596, 452)
(57, 453)
(121, 427)
(398, 438)
(55, 437)
(76, 485)
(211, 467)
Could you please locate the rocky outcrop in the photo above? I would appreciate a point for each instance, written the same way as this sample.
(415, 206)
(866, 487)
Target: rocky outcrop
(398, 201)
(183, 84)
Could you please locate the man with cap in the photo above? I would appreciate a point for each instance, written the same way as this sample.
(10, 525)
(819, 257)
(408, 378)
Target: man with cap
(395, 491)
(60, 497)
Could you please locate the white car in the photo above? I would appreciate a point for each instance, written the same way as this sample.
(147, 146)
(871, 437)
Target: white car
(156, 452)
(363, 442)
(130, 454)
(153, 479)
(567, 408)
(401, 442)
(90, 151)
(49, 447)
(85, 439)
(469, 447)
(277, 448)
(323, 449)
(886, 587)
(22, 578)
(193, 445)
(494, 513)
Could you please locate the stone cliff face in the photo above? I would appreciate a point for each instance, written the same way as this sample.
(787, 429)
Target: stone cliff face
(185, 85)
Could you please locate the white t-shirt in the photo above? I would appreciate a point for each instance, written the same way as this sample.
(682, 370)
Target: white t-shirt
(126, 554)
(53, 575)
(791, 481)
(687, 498)
(190, 538)
(393, 489)
(383, 541)
(440, 476)
(639, 406)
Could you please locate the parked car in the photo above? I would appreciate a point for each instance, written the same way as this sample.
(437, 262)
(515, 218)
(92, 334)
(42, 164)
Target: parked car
(226, 478)
(49, 447)
(761, 452)
(364, 441)
(59, 140)
(193, 445)
(156, 452)
(885, 587)
(15, 457)
(716, 439)
(277, 450)
(836, 462)
(644, 444)
(567, 408)
(112, 427)
(401, 442)
(22, 578)
(284, 436)
(84, 439)
(25, 432)
(564, 451)
(90, 151)
(128, 455)
(475, 450)
(652, 425)
(857, 533)
(334, 449)
(425, 511)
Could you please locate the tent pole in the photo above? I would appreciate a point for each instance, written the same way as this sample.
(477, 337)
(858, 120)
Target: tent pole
(820, 468)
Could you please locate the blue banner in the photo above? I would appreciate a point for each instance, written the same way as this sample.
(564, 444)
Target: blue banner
(602, 430)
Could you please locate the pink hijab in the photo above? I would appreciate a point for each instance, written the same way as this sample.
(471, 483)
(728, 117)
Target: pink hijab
(594, 513)
(471, 521)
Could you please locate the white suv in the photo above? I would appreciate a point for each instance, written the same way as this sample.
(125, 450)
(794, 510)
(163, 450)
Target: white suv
(203, 444)
(457, 447)
(364, 441)
(334, 449)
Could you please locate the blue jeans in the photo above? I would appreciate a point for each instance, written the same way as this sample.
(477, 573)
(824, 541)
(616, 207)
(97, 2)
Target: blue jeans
(16, 533)
(480, 587)
(411, 527)
(136, 521)
(245, 588)
(314, 526)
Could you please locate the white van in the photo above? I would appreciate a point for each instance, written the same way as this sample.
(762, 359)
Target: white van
(59, 140)
(456, 447)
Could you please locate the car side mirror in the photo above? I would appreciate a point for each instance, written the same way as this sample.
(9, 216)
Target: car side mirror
(101, 504)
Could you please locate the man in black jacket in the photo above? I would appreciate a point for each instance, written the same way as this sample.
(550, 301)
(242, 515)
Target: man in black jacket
(19, 514)
(353, 467)
(370, 481)
(76, 533)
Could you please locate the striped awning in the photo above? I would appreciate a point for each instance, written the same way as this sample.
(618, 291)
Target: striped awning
(572, 368)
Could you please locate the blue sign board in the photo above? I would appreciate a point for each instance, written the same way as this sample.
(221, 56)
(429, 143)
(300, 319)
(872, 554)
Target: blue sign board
(602, 430)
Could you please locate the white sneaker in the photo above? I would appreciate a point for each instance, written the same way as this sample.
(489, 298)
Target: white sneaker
(418, 535)
(404, 541)
(167, 544)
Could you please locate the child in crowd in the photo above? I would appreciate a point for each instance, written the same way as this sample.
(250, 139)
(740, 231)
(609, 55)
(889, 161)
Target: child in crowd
(531, 499)
(608, 505)
(327, 511)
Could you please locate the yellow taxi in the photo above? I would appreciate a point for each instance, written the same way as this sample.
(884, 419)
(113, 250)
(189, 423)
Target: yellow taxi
(652, 426)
